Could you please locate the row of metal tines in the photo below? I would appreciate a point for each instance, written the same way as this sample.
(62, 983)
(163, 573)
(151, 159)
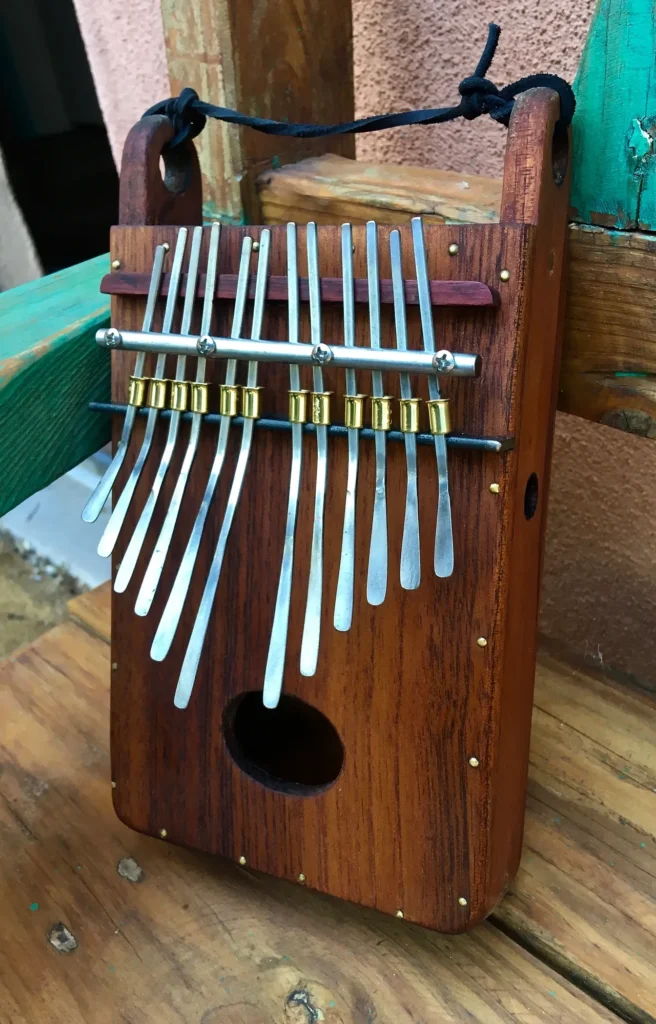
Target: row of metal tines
(314, 406)
(153, 392)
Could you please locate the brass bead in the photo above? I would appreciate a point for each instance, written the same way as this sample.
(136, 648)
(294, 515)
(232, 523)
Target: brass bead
(354, 411)
(321, 408)
(200, 397)
(179, 399)
(381, 412)
(504, 275)
(250, 403)
(409, 415)
(439, 416)
(229, 399)
(137, 391)
(298, 406)
(157, 393)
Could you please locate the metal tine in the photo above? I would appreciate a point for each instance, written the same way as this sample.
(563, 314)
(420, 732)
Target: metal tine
(133, 550)
(120, 510)
(443, 557)
(155, 566)
(275, 666)
(96, 502)
(195, 647)
(343, 614)
(410, 556)
(171, 616)
(377, 571)
(312, 622)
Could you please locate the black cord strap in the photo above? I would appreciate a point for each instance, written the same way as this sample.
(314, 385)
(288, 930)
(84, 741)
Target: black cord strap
(478, 96)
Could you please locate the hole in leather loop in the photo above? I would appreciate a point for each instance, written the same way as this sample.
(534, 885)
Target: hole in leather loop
(293, 748)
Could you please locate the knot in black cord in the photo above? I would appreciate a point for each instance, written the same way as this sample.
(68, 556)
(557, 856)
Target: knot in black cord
(184, 114)
(478, 96)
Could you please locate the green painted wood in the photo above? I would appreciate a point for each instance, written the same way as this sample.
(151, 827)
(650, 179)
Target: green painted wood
(614, 183)
(50, 368)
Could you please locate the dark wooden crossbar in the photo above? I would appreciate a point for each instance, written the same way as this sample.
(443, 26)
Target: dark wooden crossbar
(443, 293)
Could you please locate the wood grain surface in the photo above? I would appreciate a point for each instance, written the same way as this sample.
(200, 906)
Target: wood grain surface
(411, 693)
(167, 935)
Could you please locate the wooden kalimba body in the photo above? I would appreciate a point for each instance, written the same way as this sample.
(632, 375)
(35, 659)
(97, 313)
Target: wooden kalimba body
(394, 775)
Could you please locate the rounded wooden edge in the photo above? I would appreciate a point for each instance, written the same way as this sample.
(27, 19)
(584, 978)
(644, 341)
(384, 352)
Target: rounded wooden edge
(537, 165)
(144, 196)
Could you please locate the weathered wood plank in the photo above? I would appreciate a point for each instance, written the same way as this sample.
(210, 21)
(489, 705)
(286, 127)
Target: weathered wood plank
(608, 370)
(614, 183)
(50, 368)
(280, 59)
(193, 938)
(331, 189)
(585, 895)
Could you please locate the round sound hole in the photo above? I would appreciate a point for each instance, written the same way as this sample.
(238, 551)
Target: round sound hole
(293, 748)
(531, 495)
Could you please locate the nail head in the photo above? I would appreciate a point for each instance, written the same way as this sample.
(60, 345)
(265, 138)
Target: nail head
(495, 488)
(113, 784)
(399, 913)
(453, 249)
(256, 246)
(116, 264)
(301, 877)
(114, 666)
(474, 762)
(504, 275)
(163, 833)
(462, 901)
(166, 246)
(242, 861)
(482, 642)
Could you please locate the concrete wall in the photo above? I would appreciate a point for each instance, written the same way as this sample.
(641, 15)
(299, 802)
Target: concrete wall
(600, 577)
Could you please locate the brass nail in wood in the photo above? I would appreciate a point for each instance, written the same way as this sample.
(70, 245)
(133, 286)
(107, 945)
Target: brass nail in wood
(462, 901)
(163, 833)
(494, 488)
(504, 275)
(474, 762)
(242, 861)
(453, 249)
(399, 913)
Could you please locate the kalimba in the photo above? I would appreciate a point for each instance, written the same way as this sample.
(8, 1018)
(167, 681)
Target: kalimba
(330, 481)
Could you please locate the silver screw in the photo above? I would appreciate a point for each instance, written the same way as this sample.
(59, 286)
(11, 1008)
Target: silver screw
(113, 338)
(322, 354)
(453, 249)
(444, 361)
(206, 345)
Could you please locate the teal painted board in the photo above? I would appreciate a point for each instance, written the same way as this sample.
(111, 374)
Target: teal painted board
(50, 368)
(614, 182)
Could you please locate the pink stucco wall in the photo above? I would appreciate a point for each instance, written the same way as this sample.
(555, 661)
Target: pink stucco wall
(600, 568)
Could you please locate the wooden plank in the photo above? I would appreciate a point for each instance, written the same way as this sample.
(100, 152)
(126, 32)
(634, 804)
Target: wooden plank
(331, 189)
(614, 126)
(585, 894)
(50, 368)
(285, 61)
(93, 610)
(608, 371)
(170, 936)
(609, 353)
